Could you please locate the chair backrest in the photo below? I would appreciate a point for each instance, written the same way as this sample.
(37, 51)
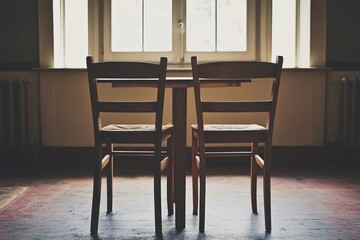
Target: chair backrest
(227, 71)
(127, 71)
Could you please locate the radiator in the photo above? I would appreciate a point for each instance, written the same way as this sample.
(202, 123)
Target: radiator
(350, 110)
(14, 112)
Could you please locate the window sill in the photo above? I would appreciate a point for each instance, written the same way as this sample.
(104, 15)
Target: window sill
(58, 69)
(179, 67)
(309, 69)
(184, 68)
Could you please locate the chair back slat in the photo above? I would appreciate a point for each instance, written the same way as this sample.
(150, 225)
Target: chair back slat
(129, 107)
(237, 69)
(125, 70)
(256, 106)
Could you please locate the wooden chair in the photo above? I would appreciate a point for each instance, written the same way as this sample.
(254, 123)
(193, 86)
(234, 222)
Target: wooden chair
(155, 134)
(252, 133)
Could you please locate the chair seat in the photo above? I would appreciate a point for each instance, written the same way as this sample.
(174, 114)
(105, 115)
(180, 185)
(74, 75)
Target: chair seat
(133, 133)
(231, 127)
(233, 133)
(133, 127)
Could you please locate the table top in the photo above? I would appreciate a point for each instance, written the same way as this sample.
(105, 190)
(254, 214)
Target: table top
(174, 82)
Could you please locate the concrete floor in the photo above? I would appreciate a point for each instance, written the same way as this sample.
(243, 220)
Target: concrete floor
(310, 203)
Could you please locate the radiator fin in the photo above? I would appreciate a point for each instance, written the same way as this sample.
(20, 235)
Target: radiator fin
(350, 112)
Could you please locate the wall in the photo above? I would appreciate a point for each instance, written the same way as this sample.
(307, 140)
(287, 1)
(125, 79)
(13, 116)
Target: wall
(343, 36)
(301, 109)
(19, 44)
(66, 114)
(65, 109)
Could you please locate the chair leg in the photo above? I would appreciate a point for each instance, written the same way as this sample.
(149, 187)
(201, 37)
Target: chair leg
(253, 176)
(170, 177)
(267, 189)
(157, 190)
(195, 175)
(109, 178)
(202, 189)
(96, 197)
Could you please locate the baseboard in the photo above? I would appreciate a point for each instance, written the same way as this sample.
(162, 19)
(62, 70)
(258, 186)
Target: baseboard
(71, 156)
(23, 156)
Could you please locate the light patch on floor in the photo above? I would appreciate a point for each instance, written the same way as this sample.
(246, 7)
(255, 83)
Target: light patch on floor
(9, 194)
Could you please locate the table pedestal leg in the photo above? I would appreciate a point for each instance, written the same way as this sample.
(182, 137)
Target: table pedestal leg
(179, 121)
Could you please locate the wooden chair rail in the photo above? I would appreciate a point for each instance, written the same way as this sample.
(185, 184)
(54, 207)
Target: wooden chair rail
(140, 107)
(237, 106)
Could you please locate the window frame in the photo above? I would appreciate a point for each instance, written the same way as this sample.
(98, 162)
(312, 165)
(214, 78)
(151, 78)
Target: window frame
(178, 55)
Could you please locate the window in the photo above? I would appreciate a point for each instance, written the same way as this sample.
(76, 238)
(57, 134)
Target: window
(178, 29)
(70, 32)
(148, 29)
(291, 32)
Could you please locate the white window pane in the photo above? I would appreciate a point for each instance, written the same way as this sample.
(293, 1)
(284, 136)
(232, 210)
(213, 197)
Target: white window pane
(231, 25)
(126, 25)
(200, 30)
(284, 31)
(157, 25)
(76, 33)
(304, 32)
